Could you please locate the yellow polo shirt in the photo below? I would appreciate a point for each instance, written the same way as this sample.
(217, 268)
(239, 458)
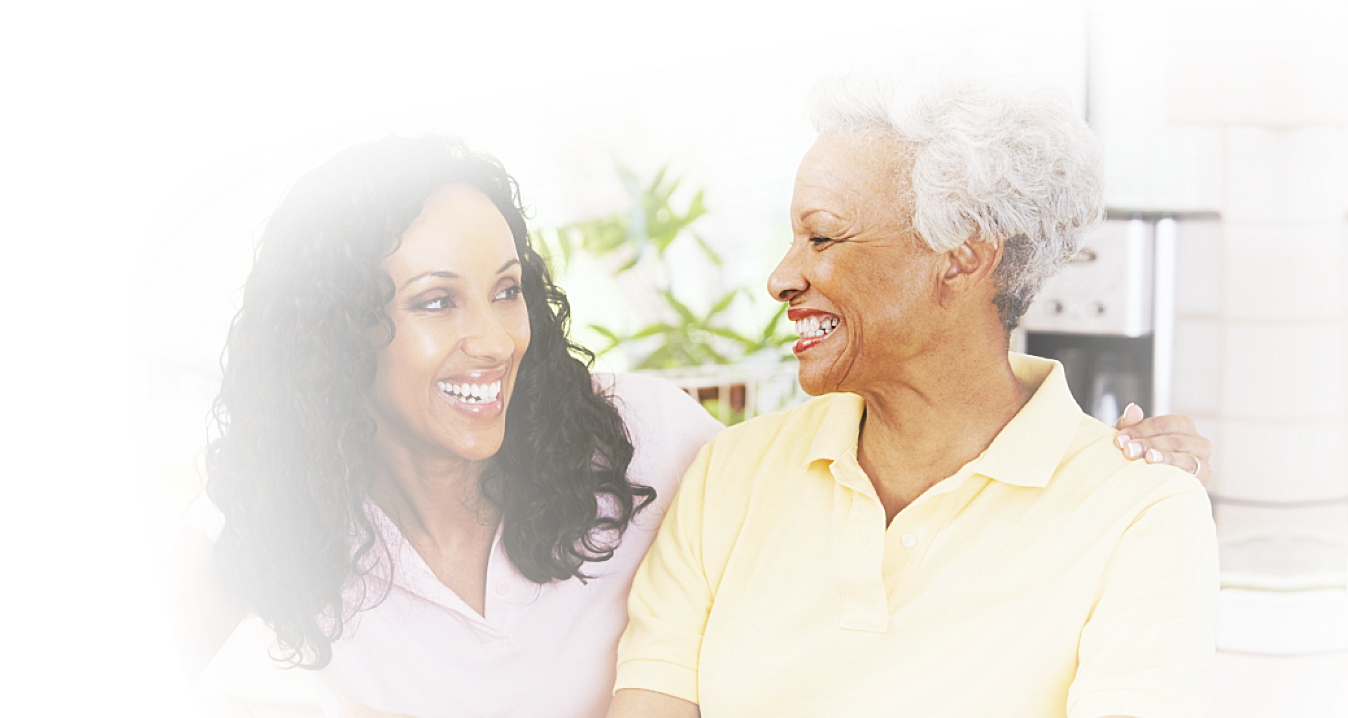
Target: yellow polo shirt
(1050, 576)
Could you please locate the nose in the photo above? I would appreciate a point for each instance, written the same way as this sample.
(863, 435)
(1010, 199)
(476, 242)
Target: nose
(488, 339)
(787, 280)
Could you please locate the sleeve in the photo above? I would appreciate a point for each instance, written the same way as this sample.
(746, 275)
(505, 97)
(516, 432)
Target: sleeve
(1148, 648)
(203, 516)
(670, 600)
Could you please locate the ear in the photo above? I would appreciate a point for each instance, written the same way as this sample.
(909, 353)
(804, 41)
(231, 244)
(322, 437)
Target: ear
(968, 268)
(380, 333)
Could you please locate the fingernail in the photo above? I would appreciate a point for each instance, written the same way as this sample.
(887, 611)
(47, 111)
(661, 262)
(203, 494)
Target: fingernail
(1134, 450)
(1154, 456)
(1121, 440)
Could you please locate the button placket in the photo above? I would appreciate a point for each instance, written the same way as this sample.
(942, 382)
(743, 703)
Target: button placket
(858, 563)
(903, 550)
(507, 592)
(910, 540)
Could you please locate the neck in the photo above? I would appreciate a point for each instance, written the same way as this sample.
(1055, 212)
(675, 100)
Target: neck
(437, 504)
(939, 411)
(437, 500)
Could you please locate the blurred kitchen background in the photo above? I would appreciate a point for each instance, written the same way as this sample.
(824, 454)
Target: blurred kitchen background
(656, 149)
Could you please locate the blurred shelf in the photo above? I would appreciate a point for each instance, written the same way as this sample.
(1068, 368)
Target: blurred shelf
(1290, 623)
(1284, 561)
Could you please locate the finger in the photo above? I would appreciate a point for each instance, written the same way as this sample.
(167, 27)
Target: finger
(1195, 457)
(1137, 447)
(1187, 462)
(1131, 449)
(1204, 473)
(1156, 456)
(1181, 443)
(1198, 448)
(1131, 415)
(1158, 425)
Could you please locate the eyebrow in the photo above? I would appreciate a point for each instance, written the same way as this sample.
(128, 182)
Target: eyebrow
(446, 274)
(821, 220)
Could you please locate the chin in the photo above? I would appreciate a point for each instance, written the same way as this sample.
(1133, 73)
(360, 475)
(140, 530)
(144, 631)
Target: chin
(477, 450)
(811, 382)
(812, 390)
(824, 375)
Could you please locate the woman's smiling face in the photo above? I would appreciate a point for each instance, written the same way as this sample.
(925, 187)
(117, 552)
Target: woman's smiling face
(460, 330)
(858, 280)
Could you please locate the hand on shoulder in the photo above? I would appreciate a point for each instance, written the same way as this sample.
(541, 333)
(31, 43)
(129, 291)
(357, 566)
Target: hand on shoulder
(1171, 439)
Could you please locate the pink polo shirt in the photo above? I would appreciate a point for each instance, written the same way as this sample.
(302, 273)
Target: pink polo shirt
(538, 650)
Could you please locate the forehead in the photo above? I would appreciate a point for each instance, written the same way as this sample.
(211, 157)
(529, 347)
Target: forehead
(458, 224)
(847, 173)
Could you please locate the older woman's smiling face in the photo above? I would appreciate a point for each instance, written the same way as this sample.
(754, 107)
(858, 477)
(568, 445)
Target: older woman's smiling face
(859, 283)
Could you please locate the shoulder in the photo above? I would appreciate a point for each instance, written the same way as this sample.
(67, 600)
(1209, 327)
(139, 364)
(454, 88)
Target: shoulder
(1095, 465)
(649, 403)
(637, 392)
(666, 426)
(771, 453)
(783, 434)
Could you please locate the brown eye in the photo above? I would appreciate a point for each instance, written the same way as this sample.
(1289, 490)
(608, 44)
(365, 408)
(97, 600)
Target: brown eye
(437, 304)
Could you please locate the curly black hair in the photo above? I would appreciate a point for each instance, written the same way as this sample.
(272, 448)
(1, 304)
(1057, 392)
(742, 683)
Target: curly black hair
(293, 463)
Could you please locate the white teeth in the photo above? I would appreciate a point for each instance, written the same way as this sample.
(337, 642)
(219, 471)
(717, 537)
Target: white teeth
(815, 326)
(472, 393)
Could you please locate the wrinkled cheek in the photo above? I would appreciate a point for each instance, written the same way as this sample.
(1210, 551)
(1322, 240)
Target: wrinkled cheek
(846, 358)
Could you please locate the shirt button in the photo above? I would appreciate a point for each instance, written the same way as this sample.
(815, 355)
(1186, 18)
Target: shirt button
(908, 540)
(502, 588)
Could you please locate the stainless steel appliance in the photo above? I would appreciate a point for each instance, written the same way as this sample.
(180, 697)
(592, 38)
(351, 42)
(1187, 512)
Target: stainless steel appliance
(1108, 316)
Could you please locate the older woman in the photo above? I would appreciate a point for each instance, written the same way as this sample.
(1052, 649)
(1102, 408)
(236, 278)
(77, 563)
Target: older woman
(942, 532)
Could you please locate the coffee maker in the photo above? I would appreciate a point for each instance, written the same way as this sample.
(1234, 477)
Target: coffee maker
(1108, 316)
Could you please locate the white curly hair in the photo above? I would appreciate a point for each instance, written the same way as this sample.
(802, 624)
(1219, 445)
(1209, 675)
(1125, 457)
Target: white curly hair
(984, 161)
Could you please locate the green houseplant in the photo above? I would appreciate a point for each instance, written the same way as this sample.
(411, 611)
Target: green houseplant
(680, 336)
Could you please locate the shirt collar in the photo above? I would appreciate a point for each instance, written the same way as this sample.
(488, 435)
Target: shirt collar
(1029, 449)
(1026, 452)
(837, 433)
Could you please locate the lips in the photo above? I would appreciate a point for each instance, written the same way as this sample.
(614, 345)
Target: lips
(813, 326)
(470, 392)
(476, 395)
